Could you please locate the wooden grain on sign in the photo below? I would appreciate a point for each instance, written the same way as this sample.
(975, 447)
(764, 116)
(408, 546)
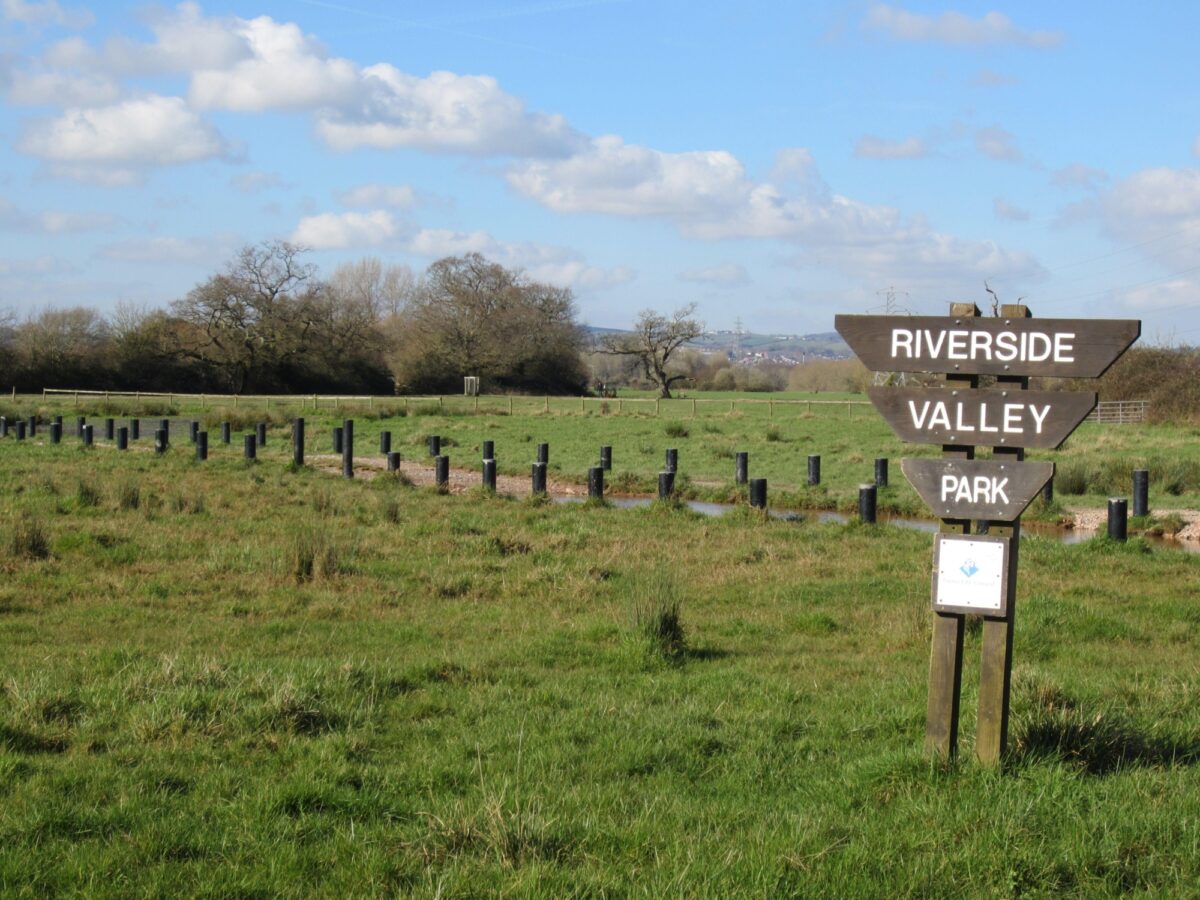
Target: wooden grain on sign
(1065, 348)
(996, 418)
(989, 489)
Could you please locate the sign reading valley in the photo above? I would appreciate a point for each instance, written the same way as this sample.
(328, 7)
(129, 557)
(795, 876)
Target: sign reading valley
(1066, 348)
(1004, 418)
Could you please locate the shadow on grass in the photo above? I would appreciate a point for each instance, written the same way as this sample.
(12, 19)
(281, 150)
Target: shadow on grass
(28, 743)
(705, 653)
(1096, 743)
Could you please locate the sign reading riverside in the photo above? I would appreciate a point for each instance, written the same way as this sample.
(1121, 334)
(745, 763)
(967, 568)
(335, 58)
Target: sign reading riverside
(1068, 348)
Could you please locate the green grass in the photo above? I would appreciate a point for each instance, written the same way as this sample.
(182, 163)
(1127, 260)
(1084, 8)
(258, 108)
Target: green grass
(256, 682)
(1095, 463)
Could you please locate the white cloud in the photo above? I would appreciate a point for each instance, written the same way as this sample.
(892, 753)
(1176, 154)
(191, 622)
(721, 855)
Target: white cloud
(115, 143)
(955, 28)
(988, 78)
(872, 147)
(38, 265)
(285, 69)
(61, 89)
(59, 222)
(1164, 295)
(1007, 212)
(444, 112)
(327, 231)
(1154, 211)
(1079, 175)
(184, 41)
(623, 179)
(996, 143)
(541, 262)
(51, 221)
(47, 12)
(726, 275)
(1161, 195)
(172, 250)
(709, 196)
(393, 196)
(256, 182)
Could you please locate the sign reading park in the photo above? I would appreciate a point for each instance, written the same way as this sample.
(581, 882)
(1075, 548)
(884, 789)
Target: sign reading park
(978, 489)
(1065, 348)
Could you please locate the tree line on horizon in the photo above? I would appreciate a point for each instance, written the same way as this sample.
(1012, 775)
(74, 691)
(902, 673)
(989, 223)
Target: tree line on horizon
(268, 323)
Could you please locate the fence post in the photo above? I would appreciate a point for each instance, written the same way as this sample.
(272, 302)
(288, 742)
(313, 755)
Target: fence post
(866, 503)
(298, 441)
(1118, 518)
(596, 483)
(666, 485)
(758, 493)
(1141, 492)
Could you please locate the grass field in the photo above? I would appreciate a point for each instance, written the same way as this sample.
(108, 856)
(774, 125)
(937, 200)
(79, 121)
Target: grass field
(233, 679)
(848, 434)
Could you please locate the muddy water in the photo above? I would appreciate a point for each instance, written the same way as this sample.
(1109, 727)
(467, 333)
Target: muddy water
(1063, 535)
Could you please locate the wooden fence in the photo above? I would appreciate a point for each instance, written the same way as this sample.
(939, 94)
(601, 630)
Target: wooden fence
(493, 403)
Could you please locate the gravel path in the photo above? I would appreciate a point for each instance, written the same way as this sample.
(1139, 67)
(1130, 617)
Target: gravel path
(1095, 519)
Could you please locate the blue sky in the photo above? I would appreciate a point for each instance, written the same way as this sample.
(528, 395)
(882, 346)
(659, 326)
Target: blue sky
(775, 163)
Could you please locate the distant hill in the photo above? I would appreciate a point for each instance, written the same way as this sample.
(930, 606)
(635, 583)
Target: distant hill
(825, 344)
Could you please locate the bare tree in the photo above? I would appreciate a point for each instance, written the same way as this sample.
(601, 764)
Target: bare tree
(253, 316)
(653, 343)
(471, 316)
(372, 288)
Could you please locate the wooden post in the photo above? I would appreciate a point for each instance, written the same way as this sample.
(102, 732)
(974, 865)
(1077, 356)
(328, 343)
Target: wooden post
(582, 408)
(693, 407)
(547, 399)
(946, 653)
(995, 674)
(772, 407)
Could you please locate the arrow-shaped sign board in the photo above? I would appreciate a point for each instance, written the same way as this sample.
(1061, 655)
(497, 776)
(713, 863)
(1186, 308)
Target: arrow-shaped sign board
(990, 489)
(1065, 348)
(1004, 418)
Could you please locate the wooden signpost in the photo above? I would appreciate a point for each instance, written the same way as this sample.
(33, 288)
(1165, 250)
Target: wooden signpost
(976, 574)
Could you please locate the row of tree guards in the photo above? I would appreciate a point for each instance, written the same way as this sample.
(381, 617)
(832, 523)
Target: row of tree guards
(1118, 507)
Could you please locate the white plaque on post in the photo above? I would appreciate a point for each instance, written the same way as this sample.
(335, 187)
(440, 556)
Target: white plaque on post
(970, 574)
